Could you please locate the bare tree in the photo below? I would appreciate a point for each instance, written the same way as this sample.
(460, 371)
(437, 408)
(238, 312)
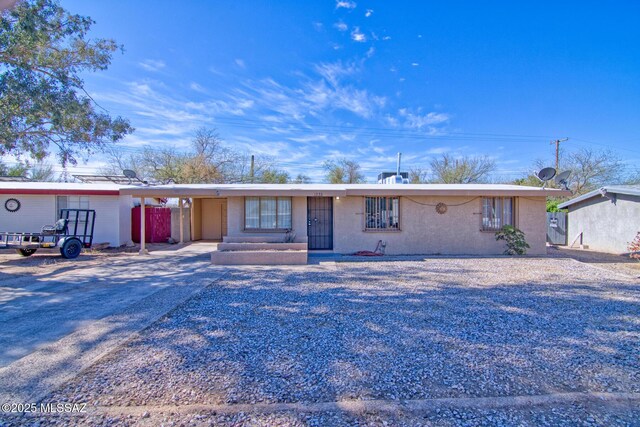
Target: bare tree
(418, 176)
(343, 171)
(465, 170)
(42, 172)
(591, 169)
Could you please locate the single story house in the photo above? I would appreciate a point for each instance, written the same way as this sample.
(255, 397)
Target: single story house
(606, 219)
(27, 206)
(346, 218)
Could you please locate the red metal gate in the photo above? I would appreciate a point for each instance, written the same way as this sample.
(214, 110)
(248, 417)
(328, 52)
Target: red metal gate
(157, 224)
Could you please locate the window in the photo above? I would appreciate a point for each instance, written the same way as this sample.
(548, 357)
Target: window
(496, 212)
(267, 213)
(71, 202)
(382, 213)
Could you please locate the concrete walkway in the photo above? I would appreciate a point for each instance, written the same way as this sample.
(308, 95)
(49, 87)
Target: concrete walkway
(57, 323)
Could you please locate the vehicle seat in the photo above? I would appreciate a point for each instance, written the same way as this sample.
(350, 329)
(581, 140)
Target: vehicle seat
(60, 227)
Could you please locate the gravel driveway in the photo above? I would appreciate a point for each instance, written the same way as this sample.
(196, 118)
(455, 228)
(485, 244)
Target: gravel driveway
(388, 332)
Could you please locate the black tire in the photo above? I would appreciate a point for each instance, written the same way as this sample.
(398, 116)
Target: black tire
(26, 252)
(71, 249)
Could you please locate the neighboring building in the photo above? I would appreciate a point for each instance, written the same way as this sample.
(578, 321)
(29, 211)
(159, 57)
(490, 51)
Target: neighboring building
(27, 206)
(346, 218)
(606, 219)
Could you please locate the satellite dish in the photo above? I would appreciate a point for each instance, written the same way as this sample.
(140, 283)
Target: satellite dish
(129, 173)
(545, 175)
(562, 179)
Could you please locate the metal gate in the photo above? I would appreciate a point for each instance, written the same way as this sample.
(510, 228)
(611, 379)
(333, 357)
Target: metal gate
(320, 222)
(557, 228)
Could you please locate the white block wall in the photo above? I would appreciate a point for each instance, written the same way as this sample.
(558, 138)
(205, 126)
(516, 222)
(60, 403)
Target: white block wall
(113, 216)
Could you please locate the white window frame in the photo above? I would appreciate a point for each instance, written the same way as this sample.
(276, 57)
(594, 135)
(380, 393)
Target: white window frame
(278, 215)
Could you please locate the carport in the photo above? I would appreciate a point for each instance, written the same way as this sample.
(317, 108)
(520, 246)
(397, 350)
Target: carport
(208, 215)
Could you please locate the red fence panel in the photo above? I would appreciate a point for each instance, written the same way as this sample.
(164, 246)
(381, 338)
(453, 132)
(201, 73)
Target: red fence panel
(157, 224)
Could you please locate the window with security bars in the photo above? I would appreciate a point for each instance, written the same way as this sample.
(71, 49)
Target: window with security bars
(496, 212)
(382, 213)
(267, 213)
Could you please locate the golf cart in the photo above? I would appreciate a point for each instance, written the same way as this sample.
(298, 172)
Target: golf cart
(71, 232)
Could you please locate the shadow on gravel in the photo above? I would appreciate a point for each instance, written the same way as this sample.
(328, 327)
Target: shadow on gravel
(39, 307)
(399, 331)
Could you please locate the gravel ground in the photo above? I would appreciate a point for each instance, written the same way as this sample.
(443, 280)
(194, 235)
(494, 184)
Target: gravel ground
(616, 263)
(397, 330)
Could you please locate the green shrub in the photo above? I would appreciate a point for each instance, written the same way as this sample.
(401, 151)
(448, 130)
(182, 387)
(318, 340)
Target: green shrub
(514, 240)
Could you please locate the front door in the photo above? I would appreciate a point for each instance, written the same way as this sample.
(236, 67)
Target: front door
(320, 222)
(214, 219)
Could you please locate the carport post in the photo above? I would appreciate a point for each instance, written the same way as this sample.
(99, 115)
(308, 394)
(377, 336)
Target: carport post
(181, 203)
(143, 243)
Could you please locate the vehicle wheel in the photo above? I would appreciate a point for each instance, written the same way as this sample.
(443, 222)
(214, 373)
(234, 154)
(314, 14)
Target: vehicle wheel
(71, 248)
(26, 252)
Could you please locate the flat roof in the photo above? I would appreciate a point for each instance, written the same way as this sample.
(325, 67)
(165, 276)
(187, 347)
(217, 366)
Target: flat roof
(61, 188)
(224, 190)
(632, 190)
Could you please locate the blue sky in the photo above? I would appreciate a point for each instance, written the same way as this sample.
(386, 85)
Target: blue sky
(314, 80)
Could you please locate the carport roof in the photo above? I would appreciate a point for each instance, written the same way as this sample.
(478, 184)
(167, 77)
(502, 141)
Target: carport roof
(631, 190)
(225, 190)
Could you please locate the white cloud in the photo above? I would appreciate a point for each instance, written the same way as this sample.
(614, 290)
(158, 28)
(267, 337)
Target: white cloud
(438, 150)
(420, 121)
(414, 64)
(318, 26)
(152, 65)
(371, 52)
(240, 63)
(341, 26)
(345, 4)
(334, 71)
(195, 86)
(358, 36)
(386, 38)
(368, 13)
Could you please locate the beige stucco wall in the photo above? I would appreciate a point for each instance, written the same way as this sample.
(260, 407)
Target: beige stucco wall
(235, 218)
(423, 231)
(605, 226)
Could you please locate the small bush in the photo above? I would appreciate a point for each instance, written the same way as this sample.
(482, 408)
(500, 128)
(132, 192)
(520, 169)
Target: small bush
(634, 247)
(514, 240)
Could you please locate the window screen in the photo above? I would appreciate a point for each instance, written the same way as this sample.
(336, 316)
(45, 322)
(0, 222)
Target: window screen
(267, 213)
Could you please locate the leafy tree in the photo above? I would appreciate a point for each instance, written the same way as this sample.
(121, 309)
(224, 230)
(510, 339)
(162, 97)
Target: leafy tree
(273, 176)
(464, 170)
(18, 169)
(301, 179)
(343, 171)
(43, 52)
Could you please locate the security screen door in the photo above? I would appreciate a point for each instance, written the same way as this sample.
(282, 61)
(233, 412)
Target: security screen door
(320, 222)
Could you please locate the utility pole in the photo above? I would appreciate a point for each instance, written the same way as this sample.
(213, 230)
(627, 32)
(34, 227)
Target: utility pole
(251, 170)
(557, 142)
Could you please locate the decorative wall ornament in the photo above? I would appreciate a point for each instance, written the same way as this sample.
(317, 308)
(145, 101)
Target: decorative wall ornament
(441, 208)
(12, 205)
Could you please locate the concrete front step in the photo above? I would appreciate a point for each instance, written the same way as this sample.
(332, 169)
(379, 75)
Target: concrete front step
(261, 246)
(265, 257)
(267, 238)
